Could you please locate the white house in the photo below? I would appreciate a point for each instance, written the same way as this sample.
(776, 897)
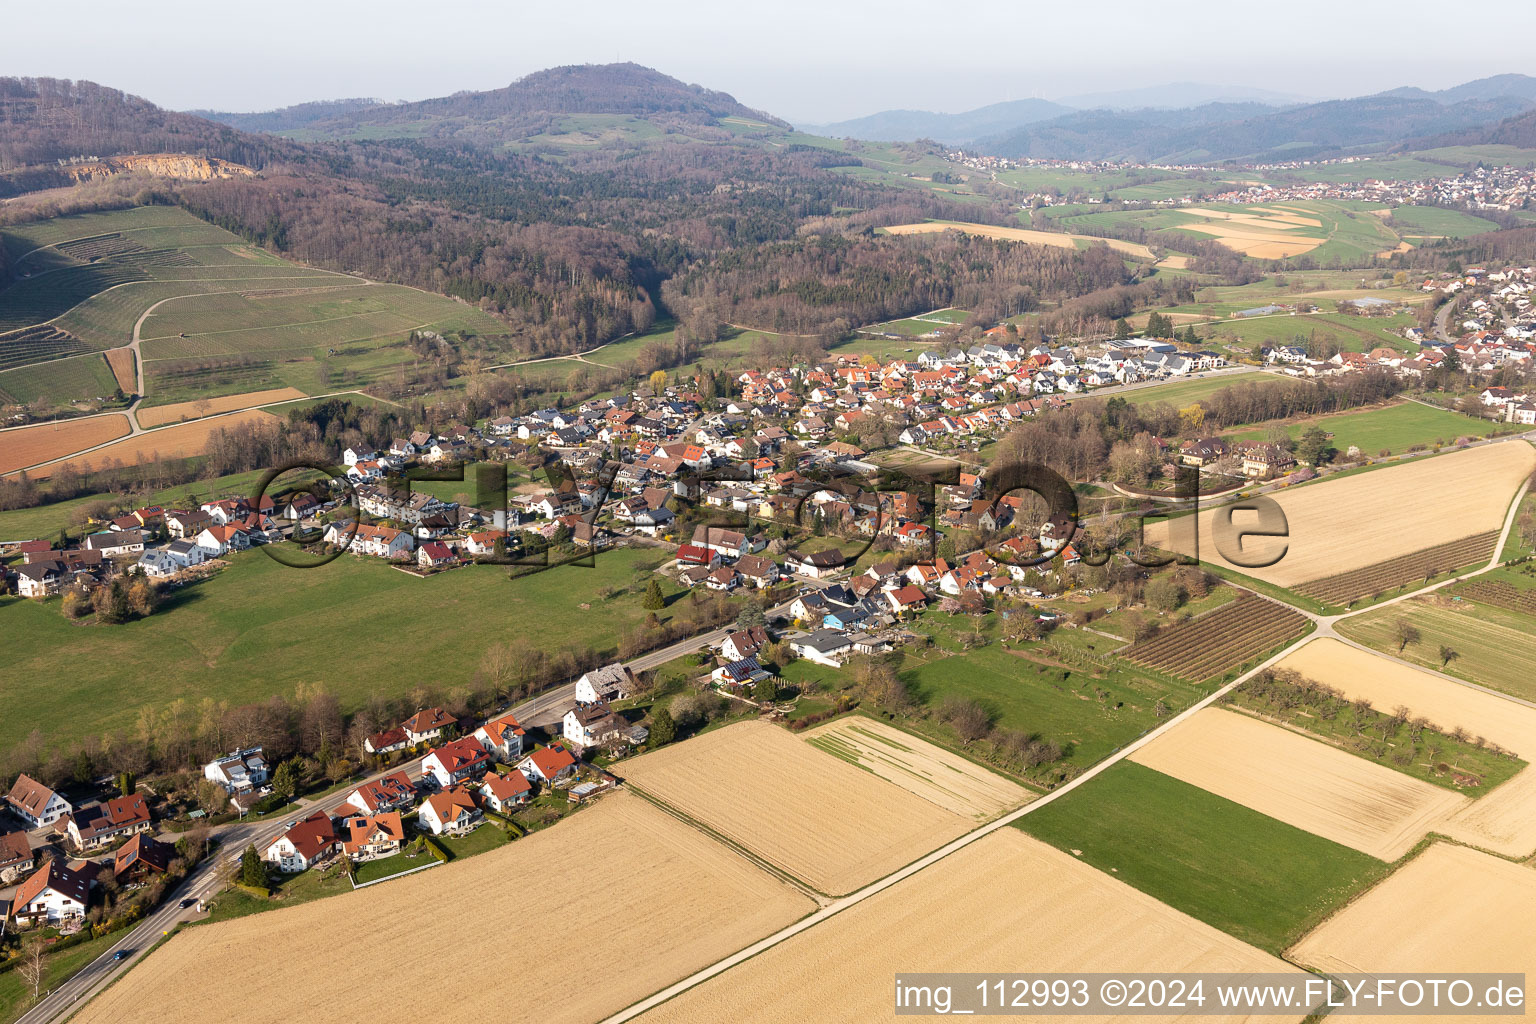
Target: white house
(115, 545)
(240, 772)
(393, 792)
(823, 647)
(548, 764)
(218, 541)
(589, 725)
(452, 811)
(35, 803)
(426, 724)
(501, 793)
(52, 895)
(502, 737)
(305, 844)
(609, 683)
(455, 761)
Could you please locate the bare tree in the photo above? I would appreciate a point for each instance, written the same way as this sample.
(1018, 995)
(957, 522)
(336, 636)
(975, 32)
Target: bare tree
(33, 966)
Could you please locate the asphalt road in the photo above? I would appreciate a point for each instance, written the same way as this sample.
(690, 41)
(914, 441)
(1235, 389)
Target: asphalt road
(543, 710)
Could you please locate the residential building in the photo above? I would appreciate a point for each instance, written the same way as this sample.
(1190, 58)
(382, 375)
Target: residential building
(426, 725)
(141, 857)
(370, 837)
(503, 793)
(16, 857)
(393, 792)
(54, 894)
(455, 762)
(240, 772)
(502, 737)
(451, 812)
(306, 843)
(35, 803)
(609, 683)
(93, 827)
(548, 765)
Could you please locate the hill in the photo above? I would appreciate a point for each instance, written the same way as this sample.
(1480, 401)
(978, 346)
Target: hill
(1231, 131)
(43, 120)
(952, 129)
(1490, 88)
(1519, 131)
(288, 118)
(1176, 95)
(532, 103)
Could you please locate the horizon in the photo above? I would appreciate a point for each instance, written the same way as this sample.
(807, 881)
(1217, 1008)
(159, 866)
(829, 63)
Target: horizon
(817, 80)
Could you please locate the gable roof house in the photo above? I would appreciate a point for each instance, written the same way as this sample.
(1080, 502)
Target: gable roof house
(426, 724)
(16, 857)
(455, 762)
(609, 683)
(140, 857)
(35, 803)
(309, 841)
(53, 894)
(453, 811)
(94, 827)
(501, 737)
(393, 792)
(370, 837)
(548, 765)
(591, 725)
(502, 792)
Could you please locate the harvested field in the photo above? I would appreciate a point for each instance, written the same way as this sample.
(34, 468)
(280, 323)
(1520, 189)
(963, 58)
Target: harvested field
(820, 819)
(917, 766)
(179, 442)
(1387, 684)
(1399, 572)
(1005, 899)
(1451, 909)
(27, 446)
(714, 899)
(1302, 782)
(121, 361)
(154, 417)
(1337, 526)
(1220, 640)
(1057, 238)
(1256, 231)
(1493, 646)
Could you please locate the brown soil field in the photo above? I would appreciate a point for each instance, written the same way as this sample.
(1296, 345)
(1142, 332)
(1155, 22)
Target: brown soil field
(917, 766)
(1060, 239)
(178, 442)
(1503, 820)
(121, 361)
(1174, 263)
(1264, 237)
(661, 900)
(1340, 525)
(1006, 899)
(27, 446)
(1302, 782)
(160, 414)
(822, 820)
(1387, 684)
(1450, 909)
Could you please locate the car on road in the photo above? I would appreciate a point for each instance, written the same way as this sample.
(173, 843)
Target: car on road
(189, 901)
(121, 954)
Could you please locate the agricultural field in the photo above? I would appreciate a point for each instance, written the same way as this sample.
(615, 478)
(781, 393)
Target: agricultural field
(124, 369)
(1255, 878)
(1185, 392)
(27, 446)
(1492, 645)
(1060, 240)
(1058, 915)
(1219, 641)
(217, 638)
(1394, 574)
(43, 343)
(1414, 222)
(809, 814)
(162, 414)
(1338, 526)
(1087, 705)
(715, 899)
(1392, 428)
(84, 381)
(178, 442)
(942, 778)
(1469, 912)
(1301, 782)
(1348, 332)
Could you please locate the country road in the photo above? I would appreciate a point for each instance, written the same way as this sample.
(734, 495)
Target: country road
(543, 710)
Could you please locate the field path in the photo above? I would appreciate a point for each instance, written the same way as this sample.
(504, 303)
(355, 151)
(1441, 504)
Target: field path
(1324, 628)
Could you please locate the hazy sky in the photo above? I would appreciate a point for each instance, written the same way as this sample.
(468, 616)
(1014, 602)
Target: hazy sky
(804, 60)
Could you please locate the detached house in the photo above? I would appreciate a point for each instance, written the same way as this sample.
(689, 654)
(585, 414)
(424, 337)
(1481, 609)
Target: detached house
(591, 725)
(455, 762)
(141, 857)
(304, 845)
(94, 827)
(391, 793)
(502, 793)
(240, 772)
(451, 812)
(35, 803)
(548, 765)
(53, 895)
(16, 857)
(426, 724)
(503, 737)
(372, 837)
(609, 683)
